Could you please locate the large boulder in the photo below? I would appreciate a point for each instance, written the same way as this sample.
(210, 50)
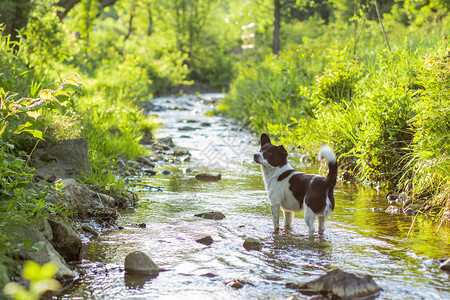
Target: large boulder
(66, 159)
(41, 251)
(138, 262)
(65, 240)
(341, 284)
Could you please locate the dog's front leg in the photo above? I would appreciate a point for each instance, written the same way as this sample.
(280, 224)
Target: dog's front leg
(288, 218)
(275, 209)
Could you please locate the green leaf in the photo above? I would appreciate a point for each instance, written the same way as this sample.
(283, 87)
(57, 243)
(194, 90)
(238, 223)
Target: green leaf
(36, 133)
(45, 94)
(38, 246)
(31, 271)
(27, 243)
(49, 270)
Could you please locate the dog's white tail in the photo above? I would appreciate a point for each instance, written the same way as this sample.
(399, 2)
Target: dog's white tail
(327, 153)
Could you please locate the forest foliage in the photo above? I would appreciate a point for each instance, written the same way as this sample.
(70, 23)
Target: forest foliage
(84, 68)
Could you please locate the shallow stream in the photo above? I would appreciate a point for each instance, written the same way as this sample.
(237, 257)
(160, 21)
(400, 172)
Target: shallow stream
(357, 239)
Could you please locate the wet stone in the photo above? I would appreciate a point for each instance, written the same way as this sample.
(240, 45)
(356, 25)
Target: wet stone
(133, 164)
(146, 161)
(341, 284)
(252, 244)
(149, 172)
(208, 177)
(207, 240)
(238, 283)
(445, 264)
(138, 262)
(392, 210)
(166, 172)
(209, 275)
(211, 215)
(90, 230)
(187, 128)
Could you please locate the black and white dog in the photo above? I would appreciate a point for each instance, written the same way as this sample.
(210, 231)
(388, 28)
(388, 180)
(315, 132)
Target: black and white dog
(292, 190)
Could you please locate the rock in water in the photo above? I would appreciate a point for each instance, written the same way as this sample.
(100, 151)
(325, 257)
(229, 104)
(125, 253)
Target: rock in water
(445, 264)
(138, 262)
(252, 244)
(212, 215)
(208, 177)
(207, 240)
(238, 283)
(343, 284)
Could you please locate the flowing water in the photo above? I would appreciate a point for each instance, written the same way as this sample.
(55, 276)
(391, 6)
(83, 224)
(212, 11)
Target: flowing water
(357, 239)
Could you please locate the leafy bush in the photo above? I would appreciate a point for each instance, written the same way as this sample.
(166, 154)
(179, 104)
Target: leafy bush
(338, 81)
(428, 163)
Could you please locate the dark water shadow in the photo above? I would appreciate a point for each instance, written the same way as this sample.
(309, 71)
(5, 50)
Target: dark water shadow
(137, 281)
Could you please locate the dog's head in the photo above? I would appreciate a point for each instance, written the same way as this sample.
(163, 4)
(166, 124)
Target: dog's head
(270, 155)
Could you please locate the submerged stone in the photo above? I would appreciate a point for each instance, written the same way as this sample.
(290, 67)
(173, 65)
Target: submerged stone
(208, 177)
(212, 215)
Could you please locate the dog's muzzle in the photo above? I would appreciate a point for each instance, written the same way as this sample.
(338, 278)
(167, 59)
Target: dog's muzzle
(256, 158)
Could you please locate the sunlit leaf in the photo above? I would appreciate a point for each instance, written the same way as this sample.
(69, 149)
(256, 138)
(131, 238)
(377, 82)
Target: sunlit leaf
(49, 270)
(15, 290)
(45, 94)
(34, 114)
(31, 270)
(36, 133)
(43, 285)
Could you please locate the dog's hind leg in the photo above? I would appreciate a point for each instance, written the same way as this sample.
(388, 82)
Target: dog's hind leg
(310, 218)
(275, 209)
(288, 218)
(321, 220)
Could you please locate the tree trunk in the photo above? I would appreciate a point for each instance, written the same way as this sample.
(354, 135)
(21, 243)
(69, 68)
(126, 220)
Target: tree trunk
(69, 4)
(381, 23)
(130, 20)
(150, 20)
(276, 27)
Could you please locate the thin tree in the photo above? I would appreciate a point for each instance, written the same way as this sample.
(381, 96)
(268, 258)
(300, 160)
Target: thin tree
(381, 23)
(276, 26)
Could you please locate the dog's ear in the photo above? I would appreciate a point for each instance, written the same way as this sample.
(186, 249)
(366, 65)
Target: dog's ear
(264, 139)
(282, 151)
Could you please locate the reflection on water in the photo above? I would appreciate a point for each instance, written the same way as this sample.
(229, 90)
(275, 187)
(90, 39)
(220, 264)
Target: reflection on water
(356, 239)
